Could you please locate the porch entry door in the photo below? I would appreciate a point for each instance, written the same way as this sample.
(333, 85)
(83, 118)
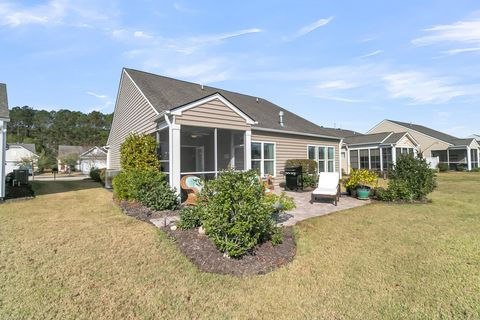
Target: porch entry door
(194, 156)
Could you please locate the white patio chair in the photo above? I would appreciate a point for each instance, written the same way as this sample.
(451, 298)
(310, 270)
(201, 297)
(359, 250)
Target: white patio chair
(328, 187)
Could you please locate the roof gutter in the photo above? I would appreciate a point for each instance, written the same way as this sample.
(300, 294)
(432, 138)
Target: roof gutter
(296, 133)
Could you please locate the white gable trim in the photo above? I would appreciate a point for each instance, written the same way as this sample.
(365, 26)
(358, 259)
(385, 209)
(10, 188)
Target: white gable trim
(90, 150)
(141, 92)
(216, 96)
(410, 129)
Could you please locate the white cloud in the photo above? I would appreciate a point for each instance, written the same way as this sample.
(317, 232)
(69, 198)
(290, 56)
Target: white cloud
(312, 27)
(54, 12)
(422, 88)
(371, 54)
(452, 52)
(335, 84)
(460, 32)
(224, 36)
(104, 99)
(142, 35)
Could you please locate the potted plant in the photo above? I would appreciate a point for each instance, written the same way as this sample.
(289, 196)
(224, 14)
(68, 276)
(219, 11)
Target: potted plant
(360, 182)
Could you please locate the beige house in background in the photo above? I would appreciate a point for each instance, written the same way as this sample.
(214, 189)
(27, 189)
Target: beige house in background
(432, 143)
(202, 130)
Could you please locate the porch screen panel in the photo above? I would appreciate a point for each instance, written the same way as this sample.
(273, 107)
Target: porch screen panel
(387, 158)
(364, 159)
(197, 150)
(474, 158)
(375, 159)
(163, 143)
(354, 159)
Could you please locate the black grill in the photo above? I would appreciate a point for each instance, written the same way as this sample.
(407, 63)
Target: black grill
(293, 178)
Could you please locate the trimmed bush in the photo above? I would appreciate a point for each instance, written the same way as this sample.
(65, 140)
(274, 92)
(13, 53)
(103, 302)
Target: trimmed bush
(442, 167)
(235, 215)
(139, 152)
(410, 179)
(190, 217)
(102, 174)
(361, 178)
(309, 170)
(147, 187)
(95, 174)
(460, 167)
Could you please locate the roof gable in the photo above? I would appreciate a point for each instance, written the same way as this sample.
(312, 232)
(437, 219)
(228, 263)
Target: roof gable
(167, 94)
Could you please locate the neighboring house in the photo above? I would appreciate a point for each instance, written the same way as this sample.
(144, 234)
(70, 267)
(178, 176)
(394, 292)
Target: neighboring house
(16, 153)
(202, 130)
(95, 157)
(432, 143)
(4, 119)
(377, 151)
(476, 137)
(72, 152)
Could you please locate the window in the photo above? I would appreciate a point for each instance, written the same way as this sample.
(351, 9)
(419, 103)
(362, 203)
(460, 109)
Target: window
(387, 158)
(364, 159)
(325, 157)
(163, 150)
(474, 158)
(263, 158)
(375, 159)
(354, 159)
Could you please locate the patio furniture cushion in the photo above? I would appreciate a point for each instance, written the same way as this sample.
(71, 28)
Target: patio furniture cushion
(325, 191)
(194, 182)
(328, 186)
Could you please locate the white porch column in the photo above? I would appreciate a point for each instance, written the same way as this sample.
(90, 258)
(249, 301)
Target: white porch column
(478, 158)
(381, 159)
(394, 156)
(469, 159)
(248, 150)
(175, 157)
(340, 158)
(3, 146)
(448, 159)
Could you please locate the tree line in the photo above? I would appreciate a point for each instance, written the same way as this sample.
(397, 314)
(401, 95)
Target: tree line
(49, 129)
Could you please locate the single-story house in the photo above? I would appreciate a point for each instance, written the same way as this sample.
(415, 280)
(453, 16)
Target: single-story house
(202, 130)
(95, 157)
(435, 144)
(476, 137)
(377, 151)
(18, 152)
(69, 152)
(4, 119)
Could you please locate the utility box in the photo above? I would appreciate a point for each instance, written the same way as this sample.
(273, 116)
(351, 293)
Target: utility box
(293, 178)
(20, 177)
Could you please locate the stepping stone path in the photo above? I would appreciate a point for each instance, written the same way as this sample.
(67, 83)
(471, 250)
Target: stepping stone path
(163, 222)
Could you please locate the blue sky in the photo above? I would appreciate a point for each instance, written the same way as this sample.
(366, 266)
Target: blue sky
(336, 63)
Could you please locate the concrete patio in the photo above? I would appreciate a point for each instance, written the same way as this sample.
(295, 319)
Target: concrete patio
(321, 207)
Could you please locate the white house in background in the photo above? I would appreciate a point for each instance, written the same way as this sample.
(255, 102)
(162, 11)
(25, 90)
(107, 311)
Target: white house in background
(95, 157)
(16, 153)
(4, 118)
(65, 151)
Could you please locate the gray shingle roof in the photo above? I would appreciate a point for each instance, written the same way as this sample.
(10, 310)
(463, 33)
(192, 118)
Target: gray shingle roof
(342, 133)
(3, 101)
(394, 137)
(64, 150)
(29, 146)
(430, 132)
(166, 93)
(367, 138)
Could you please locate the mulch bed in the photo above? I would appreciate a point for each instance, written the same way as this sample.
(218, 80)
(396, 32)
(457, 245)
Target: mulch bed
(140, 212)
(202, 252)
(18, 192)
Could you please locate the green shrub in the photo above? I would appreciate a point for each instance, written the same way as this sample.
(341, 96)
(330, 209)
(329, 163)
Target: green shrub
(139, 152)
(410, 179)
(95, 174)
(309, 170)
(145, 186)
(361, 178)
(460, 167)
(102, 174)
(277, 236)
(280, 202)
(235, 215)
(190, 217)
(475, 170)
(442, 167)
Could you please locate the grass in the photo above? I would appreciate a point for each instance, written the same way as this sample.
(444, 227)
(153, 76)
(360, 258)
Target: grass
(71, 253)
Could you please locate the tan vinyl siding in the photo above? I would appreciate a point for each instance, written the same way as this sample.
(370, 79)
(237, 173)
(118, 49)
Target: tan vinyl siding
(427, 144)
(213, 114)
(289, 146)
(406, 142)
(133, 113)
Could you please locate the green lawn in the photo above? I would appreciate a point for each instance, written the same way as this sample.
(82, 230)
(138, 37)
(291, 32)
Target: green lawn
(71, 253)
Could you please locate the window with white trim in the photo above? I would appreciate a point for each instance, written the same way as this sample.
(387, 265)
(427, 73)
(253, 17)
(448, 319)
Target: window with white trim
(324, 156)
(263, 158)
